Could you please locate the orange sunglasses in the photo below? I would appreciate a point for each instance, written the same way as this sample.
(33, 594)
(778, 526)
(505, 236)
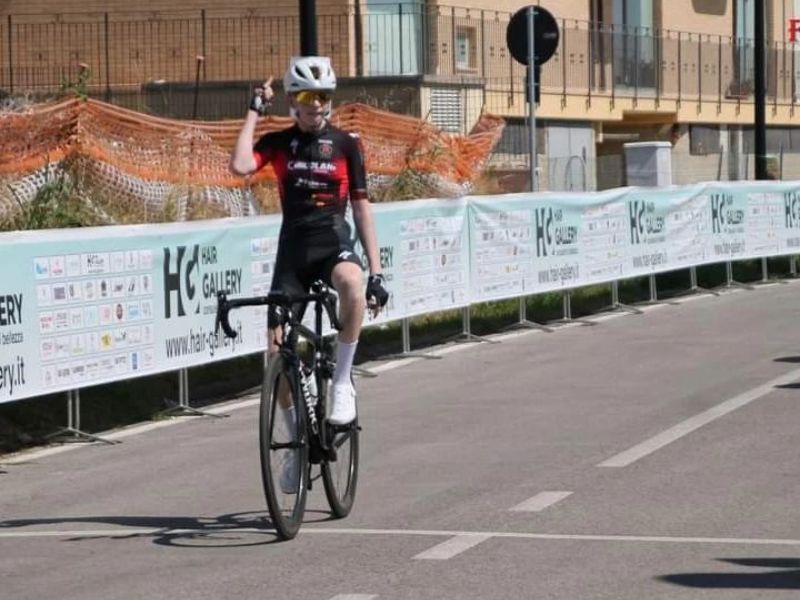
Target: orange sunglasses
(311, 96)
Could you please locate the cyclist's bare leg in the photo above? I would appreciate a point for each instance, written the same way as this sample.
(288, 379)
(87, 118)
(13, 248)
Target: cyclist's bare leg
(348, 281)
(274, 338)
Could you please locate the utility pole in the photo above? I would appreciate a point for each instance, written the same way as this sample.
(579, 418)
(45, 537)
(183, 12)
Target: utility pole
(308, 28)
(760, 91)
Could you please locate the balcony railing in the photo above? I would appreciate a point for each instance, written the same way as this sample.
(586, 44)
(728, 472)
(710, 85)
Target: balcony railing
(128, 50)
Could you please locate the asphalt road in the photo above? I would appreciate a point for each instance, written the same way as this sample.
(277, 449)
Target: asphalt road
(649, 456)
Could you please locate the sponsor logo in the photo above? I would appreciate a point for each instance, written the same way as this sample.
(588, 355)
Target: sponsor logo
(325, 148)
(311, 165)
(723, 214)
(552, 233)
(10, 310)
(791, 202)
(190, 276)
(644, 221)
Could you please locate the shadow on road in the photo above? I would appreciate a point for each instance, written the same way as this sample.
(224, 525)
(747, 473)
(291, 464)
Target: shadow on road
(784, 576)
(788, 359)
(231, 530)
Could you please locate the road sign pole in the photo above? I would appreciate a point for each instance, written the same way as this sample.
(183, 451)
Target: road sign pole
(523, 28)
(532, 98)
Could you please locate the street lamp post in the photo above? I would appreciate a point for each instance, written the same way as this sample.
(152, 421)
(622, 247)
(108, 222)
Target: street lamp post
(308, 28)
(760, 92)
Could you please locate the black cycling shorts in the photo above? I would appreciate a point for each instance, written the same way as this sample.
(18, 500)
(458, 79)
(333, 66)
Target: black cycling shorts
(304, 259)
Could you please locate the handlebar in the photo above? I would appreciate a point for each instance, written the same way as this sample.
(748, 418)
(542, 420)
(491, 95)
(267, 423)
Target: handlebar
(225, 305)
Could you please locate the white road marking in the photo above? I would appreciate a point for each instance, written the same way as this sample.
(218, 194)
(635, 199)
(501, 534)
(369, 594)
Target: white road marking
(623, 459)
(354, 597)
(483, 535)
(453, 546)
(540, 501)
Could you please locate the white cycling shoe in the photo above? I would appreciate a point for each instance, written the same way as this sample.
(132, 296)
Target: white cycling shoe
(290, 474)
(343, 404)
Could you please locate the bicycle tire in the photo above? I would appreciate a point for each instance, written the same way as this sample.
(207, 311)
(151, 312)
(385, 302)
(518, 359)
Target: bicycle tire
(280, 442)
(340, 477)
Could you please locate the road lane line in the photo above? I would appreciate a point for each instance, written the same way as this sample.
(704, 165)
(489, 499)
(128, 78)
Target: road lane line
(133, 532)
(623, 459)
(355, 597)
(540, 501)
(453, 546)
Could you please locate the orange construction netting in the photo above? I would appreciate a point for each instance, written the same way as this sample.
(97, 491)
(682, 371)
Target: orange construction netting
(149, 168)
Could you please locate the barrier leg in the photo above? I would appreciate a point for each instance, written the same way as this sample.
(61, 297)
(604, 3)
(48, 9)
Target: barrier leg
(694, 287)
(466, 334)
(182, 408)
(566, 303)
(617, 305)
(525, 322)
(72, 432)
(765, 274)
(730, 282)
(405, 326)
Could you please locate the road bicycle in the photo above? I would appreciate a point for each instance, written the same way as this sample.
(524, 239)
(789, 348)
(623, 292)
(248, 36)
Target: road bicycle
(294, 433)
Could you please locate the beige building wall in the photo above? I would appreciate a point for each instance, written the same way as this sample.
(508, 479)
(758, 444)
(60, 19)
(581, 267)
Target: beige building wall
(561, 9)
(712, 17)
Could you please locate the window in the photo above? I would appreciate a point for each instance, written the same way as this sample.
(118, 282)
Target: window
(704, 140)
(516, 137)
(744, 30)
(466, 48)
(446, 109)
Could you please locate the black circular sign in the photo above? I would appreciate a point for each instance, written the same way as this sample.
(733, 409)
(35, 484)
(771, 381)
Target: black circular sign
(545, 33)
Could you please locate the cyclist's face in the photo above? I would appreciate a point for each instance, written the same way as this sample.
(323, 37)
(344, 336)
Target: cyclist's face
(312, 111)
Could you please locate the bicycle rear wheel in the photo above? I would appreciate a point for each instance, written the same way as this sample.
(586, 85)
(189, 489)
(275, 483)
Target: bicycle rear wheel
(284, 447)
(340, 476)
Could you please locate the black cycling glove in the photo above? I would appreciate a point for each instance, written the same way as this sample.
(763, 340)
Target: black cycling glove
(376, 291)
(259, 104)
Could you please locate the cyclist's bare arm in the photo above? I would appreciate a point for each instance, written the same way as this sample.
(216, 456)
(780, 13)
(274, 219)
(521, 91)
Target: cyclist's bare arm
(365, 225)
(242, 160)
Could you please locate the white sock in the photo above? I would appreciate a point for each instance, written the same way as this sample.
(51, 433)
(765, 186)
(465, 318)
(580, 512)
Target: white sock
(344, 361)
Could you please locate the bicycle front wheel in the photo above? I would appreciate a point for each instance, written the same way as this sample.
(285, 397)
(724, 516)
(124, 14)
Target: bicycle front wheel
(284, 447)
(340, 476)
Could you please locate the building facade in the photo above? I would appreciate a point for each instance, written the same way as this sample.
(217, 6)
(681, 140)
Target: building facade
(625, 70)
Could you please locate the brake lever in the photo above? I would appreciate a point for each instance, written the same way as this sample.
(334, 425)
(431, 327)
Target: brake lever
(222, 316)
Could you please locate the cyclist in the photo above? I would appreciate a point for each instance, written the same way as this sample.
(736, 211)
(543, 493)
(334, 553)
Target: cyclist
(318, 167)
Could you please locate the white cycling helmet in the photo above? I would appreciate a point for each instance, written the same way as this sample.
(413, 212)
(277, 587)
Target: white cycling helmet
(309, 73)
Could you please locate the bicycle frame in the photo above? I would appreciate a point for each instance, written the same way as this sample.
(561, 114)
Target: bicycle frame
(294, 308)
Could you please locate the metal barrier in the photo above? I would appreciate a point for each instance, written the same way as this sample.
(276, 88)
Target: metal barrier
(89, 319)
(128, 50)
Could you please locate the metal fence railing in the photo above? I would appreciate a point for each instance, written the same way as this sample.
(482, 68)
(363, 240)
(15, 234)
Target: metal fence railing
(124, 50)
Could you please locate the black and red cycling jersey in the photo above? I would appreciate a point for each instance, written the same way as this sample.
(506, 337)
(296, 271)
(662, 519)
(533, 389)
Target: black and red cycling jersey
(317, 172)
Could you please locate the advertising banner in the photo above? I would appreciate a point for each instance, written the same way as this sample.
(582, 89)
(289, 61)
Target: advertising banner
(83, 307)
(87, 306)
(424, 253)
